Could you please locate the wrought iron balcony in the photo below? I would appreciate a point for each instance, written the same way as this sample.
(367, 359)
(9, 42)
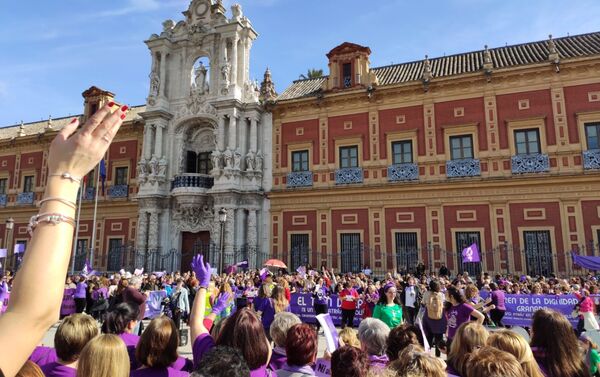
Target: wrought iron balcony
(591, 159)
(300, 179)
(192, 180)
(25, 198)
(89, 193)
(118, 191)
(3, 200)
(403, 172)
(465, 167)
(530, 163)
(348, 175)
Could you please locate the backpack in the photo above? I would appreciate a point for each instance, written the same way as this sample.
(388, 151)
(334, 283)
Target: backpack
(435, 307)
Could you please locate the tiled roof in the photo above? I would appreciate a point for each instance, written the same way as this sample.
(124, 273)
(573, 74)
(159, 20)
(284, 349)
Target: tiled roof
(469, 62)
(35, 128)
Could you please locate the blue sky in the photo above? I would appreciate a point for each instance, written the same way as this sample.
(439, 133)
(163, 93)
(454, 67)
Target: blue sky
(54, 50)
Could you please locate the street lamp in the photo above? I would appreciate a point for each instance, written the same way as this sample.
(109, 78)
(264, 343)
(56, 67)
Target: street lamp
(222, 220)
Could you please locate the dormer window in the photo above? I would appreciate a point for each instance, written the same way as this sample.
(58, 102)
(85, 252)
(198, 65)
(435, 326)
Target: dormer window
(347, 75)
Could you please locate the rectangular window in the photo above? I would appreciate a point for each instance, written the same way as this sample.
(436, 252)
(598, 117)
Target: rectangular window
(527, 141)
(464, 240)
(402, 152)
(461, 147)
(349, 157)
(299, 250)
(3, 186)
(347, 74)
(592, 134)
(121, 176)
(191, 162)
(350, 250)
(300, 160)
(538, 252)
(406, 252)
(115, 253)
(204, 163)
(28, 183)
(81, 254)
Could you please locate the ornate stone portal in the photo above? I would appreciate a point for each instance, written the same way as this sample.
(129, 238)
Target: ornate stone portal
(207, 137)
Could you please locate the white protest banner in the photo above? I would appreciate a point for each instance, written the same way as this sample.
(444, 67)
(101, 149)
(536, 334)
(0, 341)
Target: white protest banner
(331, 335)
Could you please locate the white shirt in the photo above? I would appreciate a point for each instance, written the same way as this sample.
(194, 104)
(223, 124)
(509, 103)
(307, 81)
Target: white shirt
(410, 296)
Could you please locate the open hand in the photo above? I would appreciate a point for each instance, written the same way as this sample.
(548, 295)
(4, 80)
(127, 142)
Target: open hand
(202, 270)
(222, 302)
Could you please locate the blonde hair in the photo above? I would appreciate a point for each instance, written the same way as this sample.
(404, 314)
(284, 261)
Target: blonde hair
(30, 369)
(413, 361)
(516, 345)
(279, 301)
(491, 362)
(469, 337)
(104, 356)
(72, 335)
(349, 337)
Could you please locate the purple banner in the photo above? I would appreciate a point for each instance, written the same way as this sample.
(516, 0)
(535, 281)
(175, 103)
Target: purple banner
(153, 303)
(520, 308)
(302, 304)
(68, 303)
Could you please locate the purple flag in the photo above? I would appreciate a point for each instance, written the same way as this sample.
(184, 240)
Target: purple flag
(587, 262)
(243, 264)
(3, 253)
(471, 254)
(264, 273)
(19, 248)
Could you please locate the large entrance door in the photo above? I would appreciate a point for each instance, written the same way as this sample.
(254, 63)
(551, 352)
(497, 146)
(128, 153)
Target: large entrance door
(351, 252)
(538, 253)
(464, 240)
(299, 250)
(406, 252)
(192, 244)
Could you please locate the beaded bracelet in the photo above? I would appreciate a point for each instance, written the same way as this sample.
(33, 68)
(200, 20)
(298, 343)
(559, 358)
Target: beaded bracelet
(67, 176)
(61, 200)
(51, 218)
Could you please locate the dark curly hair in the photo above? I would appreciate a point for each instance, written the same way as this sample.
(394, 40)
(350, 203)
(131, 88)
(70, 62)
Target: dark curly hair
(222, 361)
(349, 361)
(400, 337)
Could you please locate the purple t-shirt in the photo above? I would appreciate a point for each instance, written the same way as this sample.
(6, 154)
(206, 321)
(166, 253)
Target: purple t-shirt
(158, 372)
(498, 299)
(131, 342)
(183, 364)
(80, 290)
(100, 292)
(43, 355)
(56, 369)
(457, 315)
(321, 295)
(278, 359)
(268, 312)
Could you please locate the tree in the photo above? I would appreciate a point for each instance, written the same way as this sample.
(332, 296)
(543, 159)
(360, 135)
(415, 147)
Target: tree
(312, 74)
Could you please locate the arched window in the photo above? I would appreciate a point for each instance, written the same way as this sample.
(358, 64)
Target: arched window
(200, 75)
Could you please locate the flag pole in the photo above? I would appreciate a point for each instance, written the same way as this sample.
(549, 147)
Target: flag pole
(81, 189)
(94, 222)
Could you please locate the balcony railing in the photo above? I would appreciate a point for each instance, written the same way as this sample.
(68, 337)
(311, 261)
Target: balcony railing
(530, 163)
(465, 167)
(300, 179)
(118, 191)
(403, 172)
(193, 180)
(591, 159)
(3, 200)
(25, 198)
(348, 175)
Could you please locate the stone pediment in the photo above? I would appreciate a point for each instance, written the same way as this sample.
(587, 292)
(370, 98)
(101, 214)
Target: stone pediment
(348, 48)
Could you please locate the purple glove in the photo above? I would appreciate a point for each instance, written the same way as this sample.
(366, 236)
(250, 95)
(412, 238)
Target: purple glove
(202, 270)
(222, 303)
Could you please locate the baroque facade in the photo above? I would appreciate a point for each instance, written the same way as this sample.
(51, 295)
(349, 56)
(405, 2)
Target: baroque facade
(384, 167)
(206, 139)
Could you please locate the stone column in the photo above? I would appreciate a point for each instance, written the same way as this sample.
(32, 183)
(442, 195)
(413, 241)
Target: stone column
(153, 230)
(158, 140)
(147, 148)
(216, 235)
(232, 144)
(253, 134)
(142, 231)
(234, 60)
(252, 237)
(230, 230)
(221, 134)
(163, 73)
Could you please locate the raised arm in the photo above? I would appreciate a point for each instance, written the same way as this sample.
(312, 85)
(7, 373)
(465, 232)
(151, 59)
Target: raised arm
(202, 271)
(38, 287)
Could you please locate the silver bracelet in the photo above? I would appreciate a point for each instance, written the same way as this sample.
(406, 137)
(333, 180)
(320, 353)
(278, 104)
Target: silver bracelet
(61, 200)
(51, 218)
(67, 176)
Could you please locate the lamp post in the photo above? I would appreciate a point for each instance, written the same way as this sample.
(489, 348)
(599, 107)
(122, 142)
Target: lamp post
(222, 220)
(507, 258)
(10, 223)
(430, 256)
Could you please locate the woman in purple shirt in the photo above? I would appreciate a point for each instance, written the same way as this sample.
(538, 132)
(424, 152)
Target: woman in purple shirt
(121, 321)
(157, 350)
(497, 297)
(458, 312)
(80, 294)
(267, 308)
(243, 330)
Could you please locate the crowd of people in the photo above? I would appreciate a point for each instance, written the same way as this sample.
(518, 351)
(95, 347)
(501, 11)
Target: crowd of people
(241, 324)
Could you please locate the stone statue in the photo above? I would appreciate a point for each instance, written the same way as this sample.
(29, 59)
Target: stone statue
(259, 161)
(250, 161)
(154, 166)
(200, 79)
(237, 159)
(228, 157)
(162, 167)
(142, 170)
(236, 11)
(154, 84)
(225, 68)
(216, 160)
